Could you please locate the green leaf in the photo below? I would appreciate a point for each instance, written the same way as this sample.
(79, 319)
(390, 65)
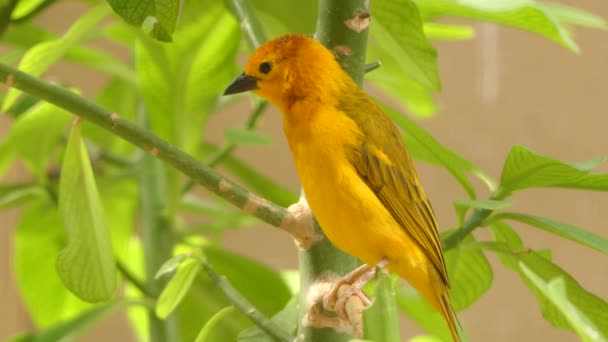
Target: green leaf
(567, 231)
(38, 239)
(86, 266)
(36, 133)
(26, 35)
(424, 147)
(212, 330)
(71, 329)
(470, 275)
(555, 291)
(448, 32)
(483, 204)
(417, 99)
(575, 16)
(261, 285)
(180, 83)
(462, 206)
(287, 319)
(170, 265)
(246, 137)
(526, 169)
(252, 279)
(585, 303)
(425, 339)
(422, 313)
(177, 288)
(11, 195)
(40, 57)
(398, 30)
(523, 14)
(280, 17)
(380, 320)
(24, 7)
(157, 18)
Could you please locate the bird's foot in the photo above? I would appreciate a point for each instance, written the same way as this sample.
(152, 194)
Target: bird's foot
(300, 224)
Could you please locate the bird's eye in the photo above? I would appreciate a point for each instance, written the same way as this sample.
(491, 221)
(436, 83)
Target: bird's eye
(265, 67)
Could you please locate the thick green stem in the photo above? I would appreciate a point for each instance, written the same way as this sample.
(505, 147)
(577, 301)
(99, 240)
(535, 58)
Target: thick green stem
(156, 236)
(349, 46)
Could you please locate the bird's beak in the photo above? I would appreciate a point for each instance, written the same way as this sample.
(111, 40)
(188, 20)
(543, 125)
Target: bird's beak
(241, 84)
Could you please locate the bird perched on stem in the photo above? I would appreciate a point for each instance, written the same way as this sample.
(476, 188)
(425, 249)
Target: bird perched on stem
(357, 174)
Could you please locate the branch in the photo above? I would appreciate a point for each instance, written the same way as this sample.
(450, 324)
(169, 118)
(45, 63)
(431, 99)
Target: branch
(473, 222)
(131, 278)
(244, 306)
(243, 10)
(5, 14)
(269, 212)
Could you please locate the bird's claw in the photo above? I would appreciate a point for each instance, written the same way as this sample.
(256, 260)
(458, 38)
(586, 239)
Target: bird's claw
(337, 299)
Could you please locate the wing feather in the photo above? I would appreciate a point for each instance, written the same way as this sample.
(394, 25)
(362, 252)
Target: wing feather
(383, 162)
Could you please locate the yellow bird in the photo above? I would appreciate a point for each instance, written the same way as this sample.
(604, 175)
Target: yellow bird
(357, 174)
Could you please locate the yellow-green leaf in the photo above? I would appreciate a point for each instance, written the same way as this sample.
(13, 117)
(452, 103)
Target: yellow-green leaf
(177, 288)
(86, 266)
(41, 56)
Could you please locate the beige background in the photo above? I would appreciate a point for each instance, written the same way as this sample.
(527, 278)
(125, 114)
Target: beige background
(505, 87)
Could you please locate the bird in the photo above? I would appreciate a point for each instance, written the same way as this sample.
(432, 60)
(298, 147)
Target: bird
(355, 169)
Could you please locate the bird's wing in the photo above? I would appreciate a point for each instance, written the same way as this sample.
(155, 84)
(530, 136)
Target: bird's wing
(384, 163)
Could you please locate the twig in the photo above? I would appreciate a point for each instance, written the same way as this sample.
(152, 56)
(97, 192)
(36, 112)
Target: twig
(473, 222)
(372, 66)
(244, 306)
(244, 12)
(131, 278)
(34, 12)
(202, 174)
(5, 14)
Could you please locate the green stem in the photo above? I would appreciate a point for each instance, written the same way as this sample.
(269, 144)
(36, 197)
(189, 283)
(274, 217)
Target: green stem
(5, 14)
(244, 12)
(323, 257)
(476, 219)
(244, 306)
(156, 234)
(133, 280)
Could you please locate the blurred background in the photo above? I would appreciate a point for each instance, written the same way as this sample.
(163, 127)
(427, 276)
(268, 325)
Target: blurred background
(502, 88)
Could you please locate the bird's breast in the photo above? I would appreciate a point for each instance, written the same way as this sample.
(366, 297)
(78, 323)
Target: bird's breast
(350, 214)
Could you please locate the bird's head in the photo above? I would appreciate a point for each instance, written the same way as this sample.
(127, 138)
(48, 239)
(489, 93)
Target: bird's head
(288, 69)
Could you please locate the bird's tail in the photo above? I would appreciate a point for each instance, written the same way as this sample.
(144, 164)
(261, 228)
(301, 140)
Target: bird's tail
(447, 311)
(433, 289)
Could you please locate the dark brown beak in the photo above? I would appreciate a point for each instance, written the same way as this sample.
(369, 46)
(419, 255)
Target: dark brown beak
(241, 84)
